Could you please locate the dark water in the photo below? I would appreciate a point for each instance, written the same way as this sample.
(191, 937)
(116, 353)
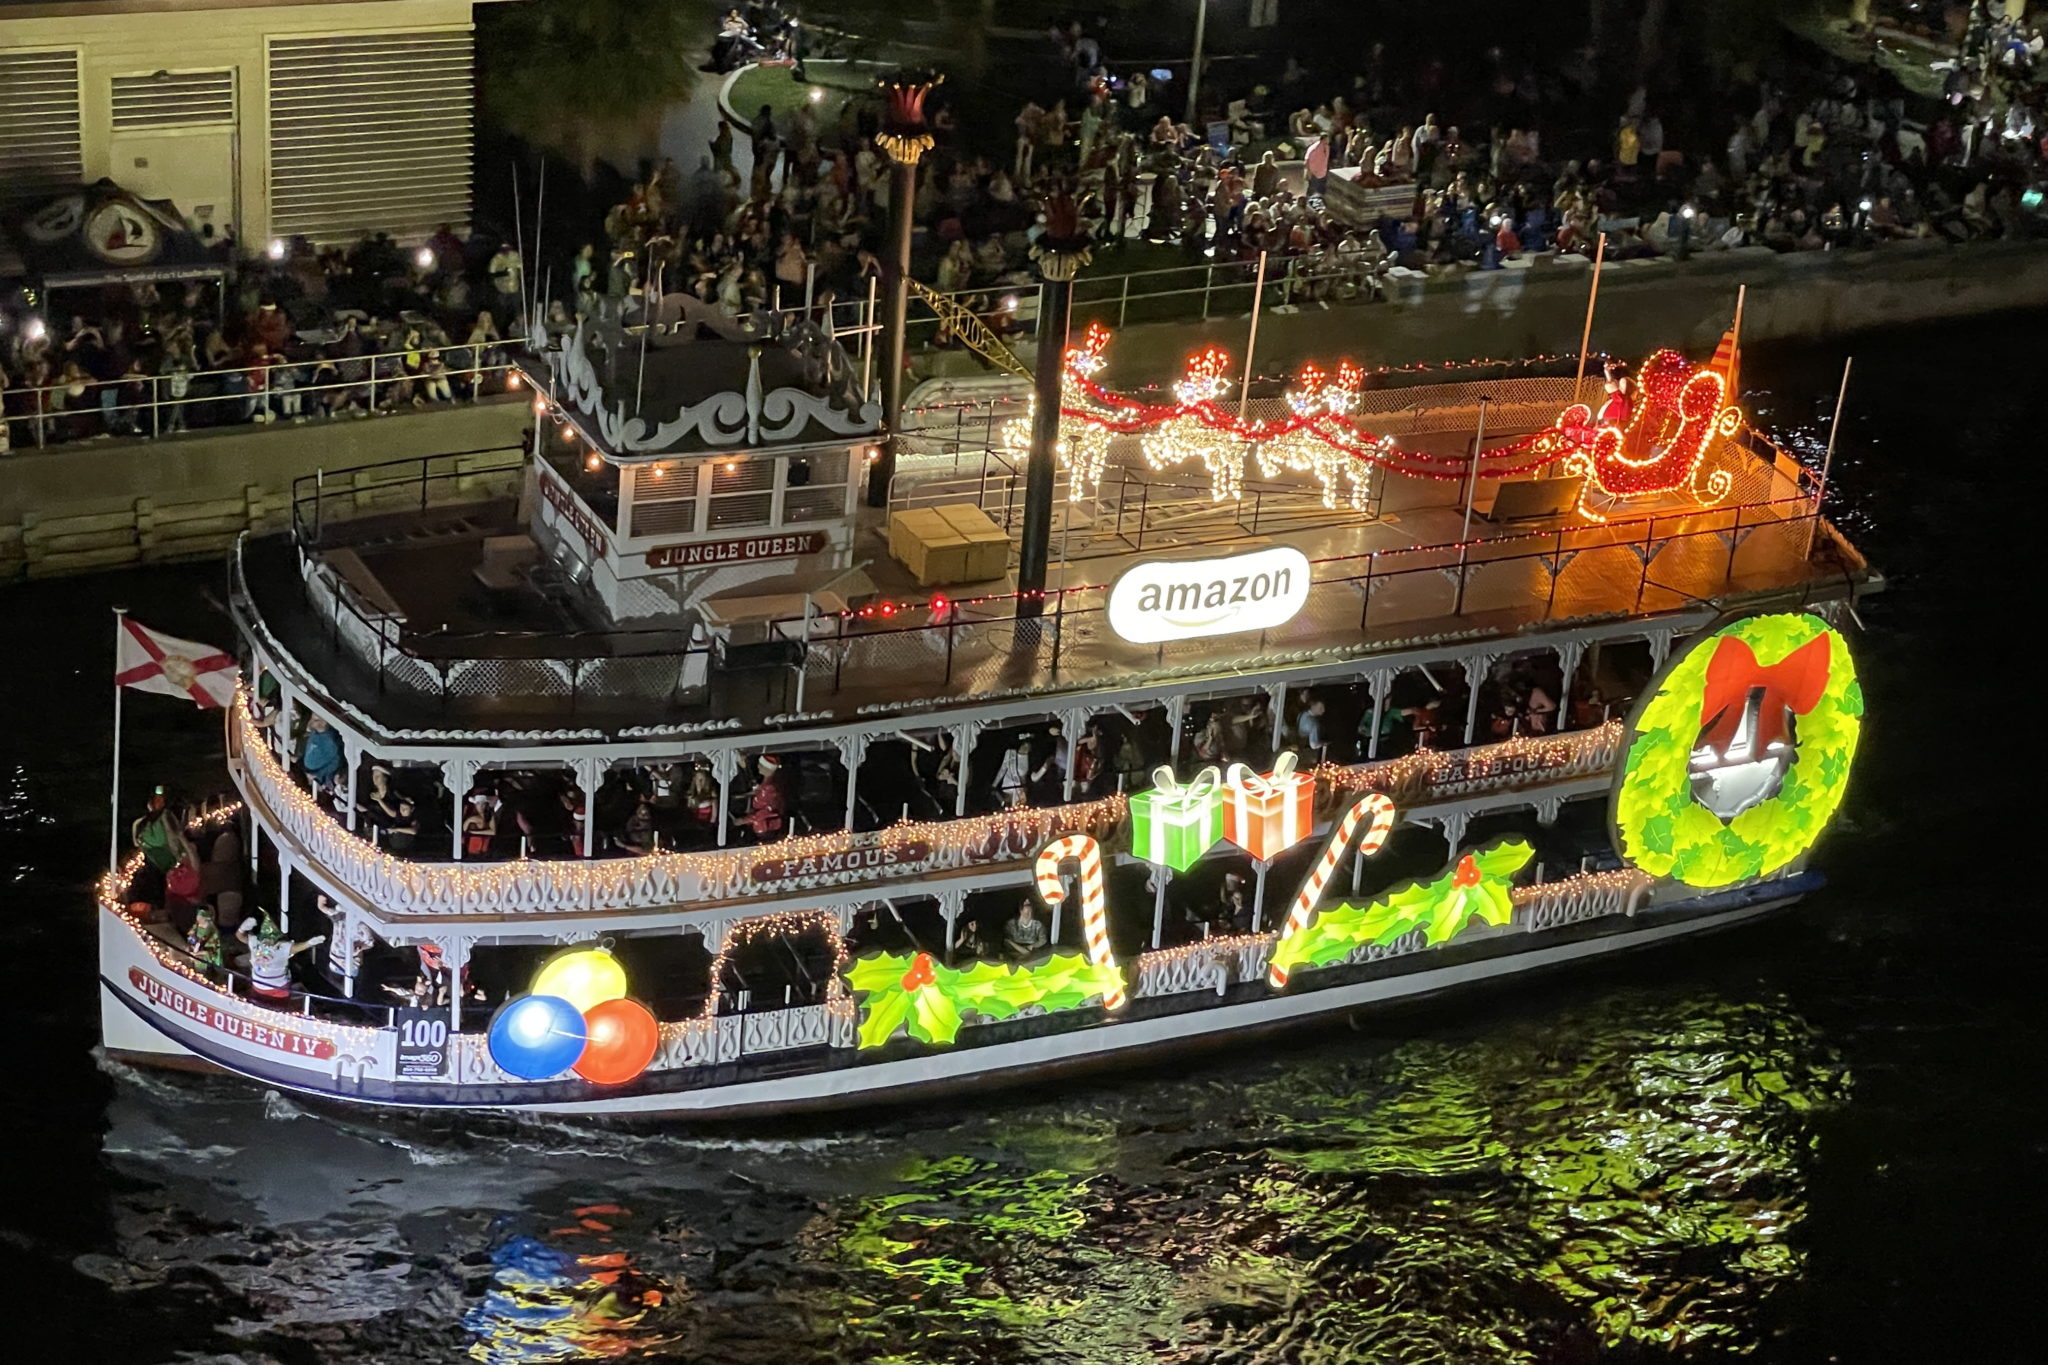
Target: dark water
(1819, 1140)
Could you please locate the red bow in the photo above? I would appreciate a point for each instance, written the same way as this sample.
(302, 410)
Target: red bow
(1794, 684)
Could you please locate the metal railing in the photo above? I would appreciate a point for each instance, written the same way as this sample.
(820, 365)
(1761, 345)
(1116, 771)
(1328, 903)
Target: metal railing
(241, 395)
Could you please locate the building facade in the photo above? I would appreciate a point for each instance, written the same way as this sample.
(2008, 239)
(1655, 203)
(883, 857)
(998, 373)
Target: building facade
(327, 118)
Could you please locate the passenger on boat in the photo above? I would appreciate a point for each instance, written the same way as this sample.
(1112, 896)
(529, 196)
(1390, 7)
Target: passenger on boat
(202, 940)
(939, 767)
(640, 836)
(402, 831)
(479, 823)
(270, 956)
(768, 804)
(158, 836)
(700, 802)
(1013, 776)
(1025, 935)
(320, 754)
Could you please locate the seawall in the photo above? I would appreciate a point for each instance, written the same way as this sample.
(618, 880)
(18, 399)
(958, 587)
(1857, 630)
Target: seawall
(1643, 306)
(102, 504)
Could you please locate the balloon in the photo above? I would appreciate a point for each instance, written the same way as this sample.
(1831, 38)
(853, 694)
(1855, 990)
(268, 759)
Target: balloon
(538, 1036)
(623, 1040)
(583, 977)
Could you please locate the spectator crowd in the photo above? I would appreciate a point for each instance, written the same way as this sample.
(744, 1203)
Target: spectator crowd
(296, 335)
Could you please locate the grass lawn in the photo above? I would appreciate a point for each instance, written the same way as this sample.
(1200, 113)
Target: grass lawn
(838, 83)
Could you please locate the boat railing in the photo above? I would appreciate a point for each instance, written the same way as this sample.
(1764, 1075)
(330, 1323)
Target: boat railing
(237, 984)
(321, 501)
(541, 887)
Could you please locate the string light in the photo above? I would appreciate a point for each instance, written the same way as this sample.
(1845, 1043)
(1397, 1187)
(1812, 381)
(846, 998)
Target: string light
(581, 885)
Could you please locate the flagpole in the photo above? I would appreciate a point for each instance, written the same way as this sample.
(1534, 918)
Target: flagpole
(114, 797)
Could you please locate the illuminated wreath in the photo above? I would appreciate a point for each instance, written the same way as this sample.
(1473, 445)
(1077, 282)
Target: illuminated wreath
(1739, 756)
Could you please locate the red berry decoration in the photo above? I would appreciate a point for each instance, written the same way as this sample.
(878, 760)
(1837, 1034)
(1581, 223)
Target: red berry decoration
(1467, 873)
(920, 973)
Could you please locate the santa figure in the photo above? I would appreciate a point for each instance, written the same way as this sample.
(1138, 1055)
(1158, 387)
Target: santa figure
(768, 804)
(1620, 402)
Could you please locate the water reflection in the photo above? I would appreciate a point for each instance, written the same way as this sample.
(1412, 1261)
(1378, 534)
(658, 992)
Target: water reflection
(1623, 1176)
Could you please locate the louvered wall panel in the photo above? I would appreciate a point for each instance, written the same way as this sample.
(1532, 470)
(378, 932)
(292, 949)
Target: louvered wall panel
(370, 134)
(39, 133)
(178, 99)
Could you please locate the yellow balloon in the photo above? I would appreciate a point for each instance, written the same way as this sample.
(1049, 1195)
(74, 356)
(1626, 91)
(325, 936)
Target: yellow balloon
(586, 977)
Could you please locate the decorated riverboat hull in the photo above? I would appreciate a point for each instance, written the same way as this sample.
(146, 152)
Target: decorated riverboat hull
(148, 1018)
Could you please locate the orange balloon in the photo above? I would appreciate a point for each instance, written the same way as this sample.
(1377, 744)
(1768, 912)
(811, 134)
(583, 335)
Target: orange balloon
(623, 1039)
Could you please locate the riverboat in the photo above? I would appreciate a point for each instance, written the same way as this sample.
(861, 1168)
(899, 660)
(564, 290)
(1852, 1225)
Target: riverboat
(707, 755)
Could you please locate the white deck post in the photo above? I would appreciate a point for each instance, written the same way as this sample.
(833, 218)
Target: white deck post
(1382, 683)
(1177, 715)
(455, 776)
(1259, 867)
(724, 762)
(963, 748)
(1569, 652)
(853, 749)
(1276, 697)
(950, 904)
(1160, 877)
(589, 773)
(1476, 669)
(1072, 722)
(455, 953)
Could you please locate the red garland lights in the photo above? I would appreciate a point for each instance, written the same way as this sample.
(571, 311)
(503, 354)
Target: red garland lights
(1658, 444)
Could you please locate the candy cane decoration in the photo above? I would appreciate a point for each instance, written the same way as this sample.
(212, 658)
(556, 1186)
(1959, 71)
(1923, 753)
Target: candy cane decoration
(1382, 812)
(1094, 901)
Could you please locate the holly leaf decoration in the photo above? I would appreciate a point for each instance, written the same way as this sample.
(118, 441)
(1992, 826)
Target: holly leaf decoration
(883, 1015)
(934, 1017)
(877, 973)
(1440, 908)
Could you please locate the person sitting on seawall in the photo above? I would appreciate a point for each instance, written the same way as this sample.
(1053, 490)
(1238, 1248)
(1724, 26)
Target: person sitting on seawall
(270, 956)
(1024, 936)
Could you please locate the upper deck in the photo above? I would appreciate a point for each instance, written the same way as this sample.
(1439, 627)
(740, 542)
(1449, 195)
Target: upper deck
(389, 600)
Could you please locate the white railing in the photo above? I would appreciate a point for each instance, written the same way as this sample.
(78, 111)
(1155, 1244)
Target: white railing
(250, 391)
(1590, 895)
(1213, 964)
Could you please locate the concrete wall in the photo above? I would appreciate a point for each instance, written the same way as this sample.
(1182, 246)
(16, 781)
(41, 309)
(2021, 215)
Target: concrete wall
(1517, 313)
(94, 505)
(203, 35)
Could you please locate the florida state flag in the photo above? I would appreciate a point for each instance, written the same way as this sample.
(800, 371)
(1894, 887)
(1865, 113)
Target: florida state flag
(150, 662)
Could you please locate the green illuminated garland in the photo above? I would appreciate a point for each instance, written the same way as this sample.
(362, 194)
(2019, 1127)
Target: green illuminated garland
(1476, 888)
(1663, 830)
(931, 998)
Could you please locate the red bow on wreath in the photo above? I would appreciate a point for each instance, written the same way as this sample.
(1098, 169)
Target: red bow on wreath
(1791, 687)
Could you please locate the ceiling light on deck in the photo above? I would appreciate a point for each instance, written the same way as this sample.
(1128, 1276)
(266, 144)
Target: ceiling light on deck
(425, 259)
(540, 406)
(276, 249)
(511, 379)
(593, 462)
(817, 94)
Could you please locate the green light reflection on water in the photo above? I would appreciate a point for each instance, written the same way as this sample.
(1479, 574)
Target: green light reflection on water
(1625, 1174)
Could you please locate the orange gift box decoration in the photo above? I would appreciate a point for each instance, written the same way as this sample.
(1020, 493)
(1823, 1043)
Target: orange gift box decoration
(1267, 815)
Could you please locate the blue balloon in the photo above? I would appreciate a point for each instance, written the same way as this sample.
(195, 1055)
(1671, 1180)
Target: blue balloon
(538, 1036)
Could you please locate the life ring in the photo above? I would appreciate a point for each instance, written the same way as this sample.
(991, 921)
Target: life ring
(1738, 757)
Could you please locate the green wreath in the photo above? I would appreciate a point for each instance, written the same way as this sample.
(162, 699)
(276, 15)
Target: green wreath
(1663, 830)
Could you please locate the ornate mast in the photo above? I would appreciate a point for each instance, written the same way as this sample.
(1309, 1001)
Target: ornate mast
(1060, 254)
(906, 138)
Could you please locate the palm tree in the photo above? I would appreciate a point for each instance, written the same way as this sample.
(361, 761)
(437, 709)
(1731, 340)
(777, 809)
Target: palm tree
(587, 77)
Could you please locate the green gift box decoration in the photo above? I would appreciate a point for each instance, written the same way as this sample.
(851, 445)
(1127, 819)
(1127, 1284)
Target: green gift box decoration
(1173, 825)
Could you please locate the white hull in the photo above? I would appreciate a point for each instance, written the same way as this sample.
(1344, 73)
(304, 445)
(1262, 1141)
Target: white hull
(141, 1031)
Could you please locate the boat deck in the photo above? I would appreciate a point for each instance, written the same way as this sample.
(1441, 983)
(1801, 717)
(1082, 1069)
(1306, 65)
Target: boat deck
(541, 656)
